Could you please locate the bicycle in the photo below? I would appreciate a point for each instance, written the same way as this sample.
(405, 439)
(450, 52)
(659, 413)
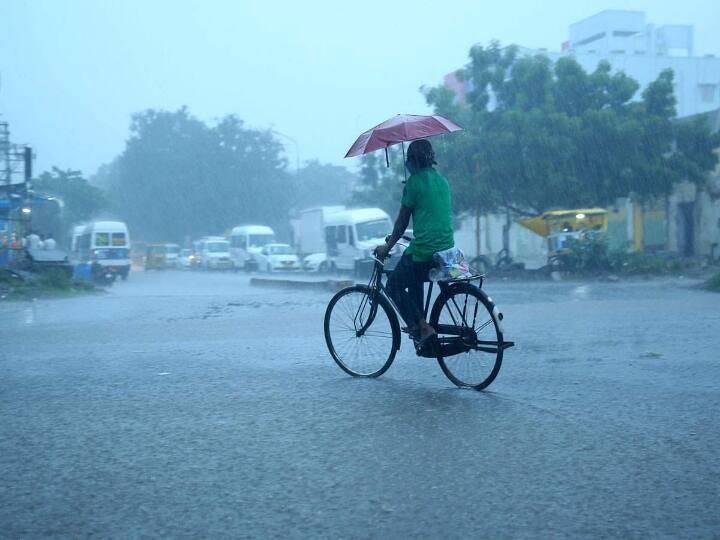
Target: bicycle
(363, 333)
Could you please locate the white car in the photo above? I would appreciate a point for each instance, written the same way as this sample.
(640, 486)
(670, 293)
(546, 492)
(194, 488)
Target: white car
(214, 253)
(317, 262)
(274, 257)
(186, 259)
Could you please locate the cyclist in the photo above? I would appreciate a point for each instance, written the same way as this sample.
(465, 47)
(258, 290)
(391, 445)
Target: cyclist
(426, 198)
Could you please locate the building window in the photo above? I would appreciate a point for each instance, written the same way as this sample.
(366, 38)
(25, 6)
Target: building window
(707, 92)
(589, 39)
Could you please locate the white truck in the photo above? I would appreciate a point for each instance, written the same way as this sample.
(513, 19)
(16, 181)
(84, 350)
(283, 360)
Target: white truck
(340, 239)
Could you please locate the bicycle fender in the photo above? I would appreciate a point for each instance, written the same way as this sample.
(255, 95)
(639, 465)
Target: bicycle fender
(496, 315)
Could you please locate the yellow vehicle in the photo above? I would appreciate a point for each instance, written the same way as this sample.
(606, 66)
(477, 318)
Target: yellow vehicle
(155, 257)
(558, 226)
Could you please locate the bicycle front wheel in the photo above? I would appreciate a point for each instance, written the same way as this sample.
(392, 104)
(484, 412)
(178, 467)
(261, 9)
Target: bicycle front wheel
(471, 343)
(361, 337)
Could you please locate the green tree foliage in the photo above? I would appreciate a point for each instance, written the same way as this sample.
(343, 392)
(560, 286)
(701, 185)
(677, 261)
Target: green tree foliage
(179, 177)
(540, 135)
(319, 184)
(81, 200)
(380, 186)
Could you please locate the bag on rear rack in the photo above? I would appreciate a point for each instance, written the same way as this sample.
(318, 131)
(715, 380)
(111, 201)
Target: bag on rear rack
(450, 264)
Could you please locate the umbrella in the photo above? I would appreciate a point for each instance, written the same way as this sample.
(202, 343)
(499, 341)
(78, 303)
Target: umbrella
(399, 129)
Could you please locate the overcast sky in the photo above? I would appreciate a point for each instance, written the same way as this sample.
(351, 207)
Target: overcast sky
(72, 71)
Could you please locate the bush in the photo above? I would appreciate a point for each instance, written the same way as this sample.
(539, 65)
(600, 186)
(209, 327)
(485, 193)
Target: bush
(51, 282)
(713, 284)
(588, 253)
(56, 278)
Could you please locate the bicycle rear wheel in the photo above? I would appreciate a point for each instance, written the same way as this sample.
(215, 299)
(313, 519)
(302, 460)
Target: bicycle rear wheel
(466, 328)
(359, 348)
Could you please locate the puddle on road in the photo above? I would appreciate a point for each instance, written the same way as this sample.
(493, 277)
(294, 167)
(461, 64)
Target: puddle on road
(28, 315)
(581, 292)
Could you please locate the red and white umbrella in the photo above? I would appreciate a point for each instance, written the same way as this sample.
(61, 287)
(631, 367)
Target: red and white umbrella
(399, 129)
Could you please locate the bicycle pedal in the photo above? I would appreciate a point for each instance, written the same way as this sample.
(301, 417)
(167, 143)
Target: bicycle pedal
(427, 348)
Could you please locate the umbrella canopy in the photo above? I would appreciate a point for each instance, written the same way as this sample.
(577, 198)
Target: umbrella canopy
(401, 128)
(579, 218)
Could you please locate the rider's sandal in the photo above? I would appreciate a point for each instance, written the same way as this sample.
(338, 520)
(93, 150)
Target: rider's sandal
(413, 332)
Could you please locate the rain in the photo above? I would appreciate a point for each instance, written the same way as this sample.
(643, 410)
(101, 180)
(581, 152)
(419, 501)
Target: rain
(383, 271)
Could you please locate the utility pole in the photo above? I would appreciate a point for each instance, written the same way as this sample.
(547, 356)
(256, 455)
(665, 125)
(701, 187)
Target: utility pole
(5, 153)
(297, 148)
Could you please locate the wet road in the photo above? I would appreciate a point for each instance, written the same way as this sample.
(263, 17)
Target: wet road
(193, 405)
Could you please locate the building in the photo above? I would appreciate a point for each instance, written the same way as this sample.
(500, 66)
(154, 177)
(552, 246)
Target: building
(642, 51)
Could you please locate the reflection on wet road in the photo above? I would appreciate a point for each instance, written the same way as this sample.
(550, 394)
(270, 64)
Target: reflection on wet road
(183, 404)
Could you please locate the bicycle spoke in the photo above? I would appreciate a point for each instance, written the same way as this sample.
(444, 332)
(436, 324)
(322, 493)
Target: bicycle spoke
(482, 326)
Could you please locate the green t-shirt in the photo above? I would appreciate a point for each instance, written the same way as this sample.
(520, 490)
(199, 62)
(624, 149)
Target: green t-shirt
(427, 194)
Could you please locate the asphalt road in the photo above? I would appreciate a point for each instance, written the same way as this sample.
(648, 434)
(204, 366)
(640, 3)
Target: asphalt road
(193, 405)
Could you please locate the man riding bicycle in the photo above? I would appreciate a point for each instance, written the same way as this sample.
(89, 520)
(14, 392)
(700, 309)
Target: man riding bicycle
(426, 198)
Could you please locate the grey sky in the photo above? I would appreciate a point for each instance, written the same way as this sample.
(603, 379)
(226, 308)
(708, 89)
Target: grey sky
(73, 71)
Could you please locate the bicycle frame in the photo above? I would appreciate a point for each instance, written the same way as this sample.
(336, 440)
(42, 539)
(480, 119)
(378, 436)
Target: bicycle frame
(376, 286)
(457, 338)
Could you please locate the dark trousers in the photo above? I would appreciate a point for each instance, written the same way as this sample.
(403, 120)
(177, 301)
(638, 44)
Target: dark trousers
(405, 287)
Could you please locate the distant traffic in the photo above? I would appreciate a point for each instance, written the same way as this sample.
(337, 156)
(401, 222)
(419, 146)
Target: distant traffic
(326, 239)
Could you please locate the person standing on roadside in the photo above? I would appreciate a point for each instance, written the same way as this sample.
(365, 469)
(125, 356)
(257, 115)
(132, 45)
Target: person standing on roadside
(49, 243)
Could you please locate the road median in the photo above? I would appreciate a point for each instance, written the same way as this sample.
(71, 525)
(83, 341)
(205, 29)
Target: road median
(332, 285)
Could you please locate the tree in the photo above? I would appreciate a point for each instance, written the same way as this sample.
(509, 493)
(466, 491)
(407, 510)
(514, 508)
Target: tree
(540, 135)
(81, 200)
(380, 186)
(179, 177)
(318, 184)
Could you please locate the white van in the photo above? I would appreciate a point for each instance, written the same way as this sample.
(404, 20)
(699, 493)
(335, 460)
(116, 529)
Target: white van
(351, 235)
(213, 253)
(247, 241)
(105, 245)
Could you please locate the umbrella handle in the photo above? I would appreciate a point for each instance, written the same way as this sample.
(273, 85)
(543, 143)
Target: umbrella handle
(402, 144)
(387, 158)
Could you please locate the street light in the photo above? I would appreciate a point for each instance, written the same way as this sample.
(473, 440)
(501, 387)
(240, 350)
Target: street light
(297, 147)
(26, 210)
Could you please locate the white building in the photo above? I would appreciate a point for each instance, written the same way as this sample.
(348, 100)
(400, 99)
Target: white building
(642, 51)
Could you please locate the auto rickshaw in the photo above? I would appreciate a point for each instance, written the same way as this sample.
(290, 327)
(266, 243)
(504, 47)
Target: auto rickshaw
(558, 226)
(156, 257)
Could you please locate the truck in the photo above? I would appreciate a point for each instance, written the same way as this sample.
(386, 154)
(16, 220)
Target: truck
(335, 238)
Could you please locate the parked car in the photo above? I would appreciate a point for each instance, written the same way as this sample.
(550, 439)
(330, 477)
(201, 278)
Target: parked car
(277, 257)
(317, 262)
(186, 258)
